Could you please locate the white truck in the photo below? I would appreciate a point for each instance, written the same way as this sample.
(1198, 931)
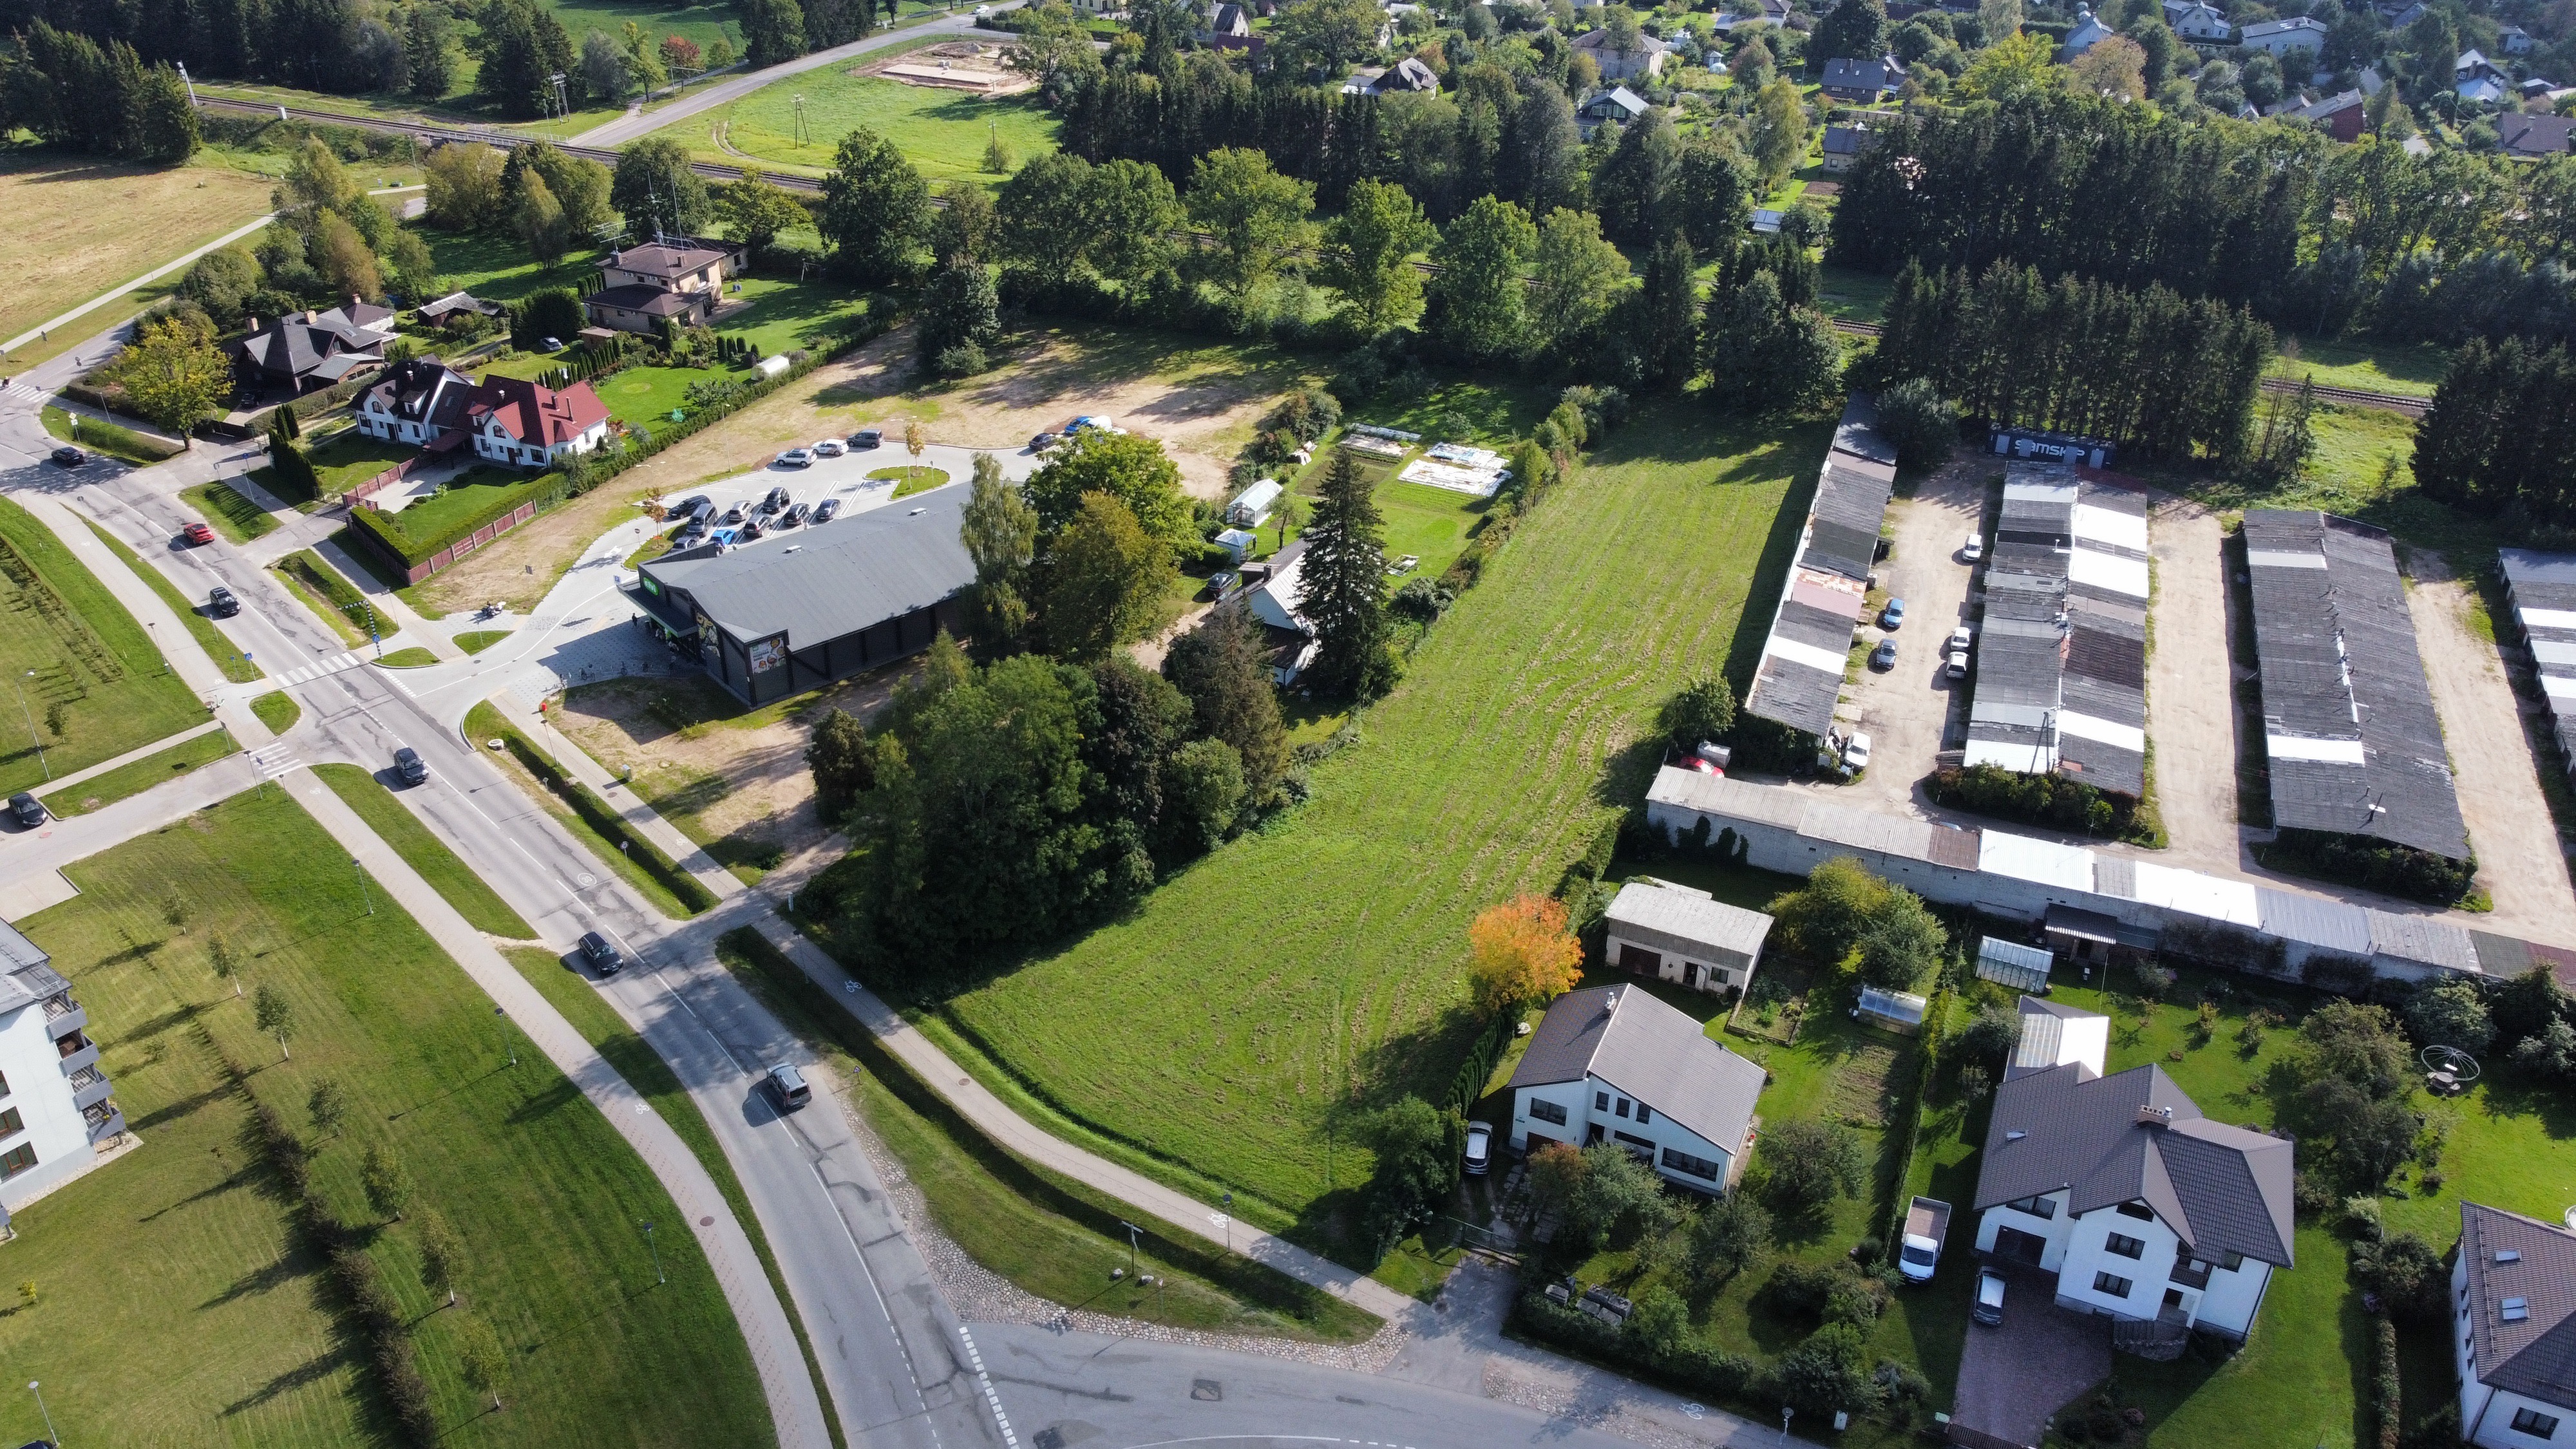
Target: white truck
(1927, 1226)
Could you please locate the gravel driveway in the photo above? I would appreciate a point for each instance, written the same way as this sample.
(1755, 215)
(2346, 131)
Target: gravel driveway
(1907, 710)
(2191, 714)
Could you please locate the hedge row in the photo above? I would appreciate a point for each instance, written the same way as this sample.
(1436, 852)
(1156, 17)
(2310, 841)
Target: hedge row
(2398, 870)
(596, 813)
(1686, 1364)
(545, 490)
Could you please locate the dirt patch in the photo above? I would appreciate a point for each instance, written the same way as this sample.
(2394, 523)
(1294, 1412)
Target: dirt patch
(1201, 399)
(955, 65)
(2191, 693)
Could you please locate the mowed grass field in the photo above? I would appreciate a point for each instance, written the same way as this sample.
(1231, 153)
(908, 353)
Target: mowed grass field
(1243, 1017)
(87, 656)
(942, 132)
(174, 1305)
(70, 222)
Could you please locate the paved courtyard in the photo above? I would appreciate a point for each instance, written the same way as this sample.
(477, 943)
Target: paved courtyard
(2015, 1375)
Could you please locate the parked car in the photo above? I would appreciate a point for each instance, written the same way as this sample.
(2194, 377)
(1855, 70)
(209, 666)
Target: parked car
(796, 515)
(732, 516)
(796, 458)
(221, 603)
(830, 448)
(777, 499)
(1927, 1227)
(787, 1087)
(409, 767)
(1961, 638)
(1989, 1307)
(1040, 442)
(1974, 549)
(197, 533)
(550, 344)
(29, 810)
(689, 507)
(1480, 1142)
(1956, 667)
(750, 530)
(601, 951)
(70, 457)
(1893, 616)
(1884, 656)
(1856, 752)
(824, 510)
(867, 438)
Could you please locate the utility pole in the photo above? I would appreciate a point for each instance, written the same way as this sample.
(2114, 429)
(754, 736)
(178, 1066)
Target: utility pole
(32, 737)
(191, 84)
(362, 885)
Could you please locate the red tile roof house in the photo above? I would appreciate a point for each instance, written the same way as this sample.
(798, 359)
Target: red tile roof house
(514, 421)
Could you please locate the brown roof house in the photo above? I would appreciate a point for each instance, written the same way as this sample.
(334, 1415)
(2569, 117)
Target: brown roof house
(679, 281)
(421, 402)
(302, 351)
(1614, 1064)
(2513, 1327)
(1644, 58)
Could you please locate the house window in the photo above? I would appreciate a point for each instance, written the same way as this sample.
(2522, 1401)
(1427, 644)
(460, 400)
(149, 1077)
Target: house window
(1623, 1106)
(1683, 1162)
(2535, 1423)
(1645, 1114)
(11, 1124)
(16, 1161)
(2115, 1287)
(2121, 1245)
(1631, 1139)
(1601, 1101)
(2232, 1262)
(1547, 1111)
(2038, 1207)
(2137, 1210)
(2513, 1310)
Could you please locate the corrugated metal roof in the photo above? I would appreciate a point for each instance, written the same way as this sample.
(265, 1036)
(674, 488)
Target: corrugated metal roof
(1868, 830)
(2207, 896)
(1857, 433)
(1718, 795)
(2422, 939)
(2062, 636)
(2054, 1035)
(2313, 920)
(1840, 537)
(823, 581)
(2045, 862)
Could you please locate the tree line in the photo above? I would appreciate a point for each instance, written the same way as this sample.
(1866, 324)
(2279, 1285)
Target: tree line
(2499, 439)
(102, 99)
(2311, 235)
(2151, 369)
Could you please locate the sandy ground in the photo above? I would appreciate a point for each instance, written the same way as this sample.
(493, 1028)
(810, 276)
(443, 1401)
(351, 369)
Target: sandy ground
(2521, 861)
(1907, 709)
(2191, 714)
(1200, 400)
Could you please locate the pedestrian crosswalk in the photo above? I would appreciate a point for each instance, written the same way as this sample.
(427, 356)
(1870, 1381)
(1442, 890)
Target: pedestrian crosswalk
(320, 667)
(275, 760)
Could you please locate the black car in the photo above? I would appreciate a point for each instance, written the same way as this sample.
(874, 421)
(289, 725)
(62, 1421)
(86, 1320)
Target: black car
(601, 951)
(70, 457)
(409, 767)
(796, 514)
(221, 603)
(689, 507)
(866, 438)
(824, 510)
(776, 500)
(29, 810)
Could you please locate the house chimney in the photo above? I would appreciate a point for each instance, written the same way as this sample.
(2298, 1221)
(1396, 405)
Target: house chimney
(2149, 1116)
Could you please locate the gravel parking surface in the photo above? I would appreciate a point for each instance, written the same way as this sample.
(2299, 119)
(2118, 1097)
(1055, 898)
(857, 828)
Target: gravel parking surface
(1907, 710)
(2191, 713)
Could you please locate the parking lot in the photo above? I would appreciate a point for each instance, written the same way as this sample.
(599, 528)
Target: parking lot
(1910, 711)
(845, 480)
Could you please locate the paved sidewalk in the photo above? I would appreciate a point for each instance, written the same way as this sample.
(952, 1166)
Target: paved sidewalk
(31, 861)
(139, 752)
(577, 763)
(765, 1328)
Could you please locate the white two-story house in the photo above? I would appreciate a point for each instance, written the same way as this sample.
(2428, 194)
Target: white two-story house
(2147, 1212)
(58, 1113)
(418, 402)
(2513, 1329)
(514, 421)
(1613, 1064)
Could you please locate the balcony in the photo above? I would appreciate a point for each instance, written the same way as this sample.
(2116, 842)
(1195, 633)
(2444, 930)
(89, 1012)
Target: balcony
(105, 1121)
(64, 1016)
(2190, 1272)
(78, 1051)
(89, 1088)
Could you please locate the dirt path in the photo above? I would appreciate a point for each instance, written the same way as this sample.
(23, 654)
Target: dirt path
(2522, 863)
(1907, 710)
(2191, 715)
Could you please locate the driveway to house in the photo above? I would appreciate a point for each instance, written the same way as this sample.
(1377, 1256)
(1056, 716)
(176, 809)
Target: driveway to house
(1908, 710)
(2012, 1377)
(2191, 696)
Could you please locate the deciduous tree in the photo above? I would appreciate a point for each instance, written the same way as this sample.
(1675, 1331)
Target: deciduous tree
(1134, 470)
(174, 374)
(1370, 257)
(1520, 952)
(876, 209)
(755, 209)
(656, 191)
(1000, 532)
(1105, 583)
(1221, 669)
(1256, 215)
(1478, 296)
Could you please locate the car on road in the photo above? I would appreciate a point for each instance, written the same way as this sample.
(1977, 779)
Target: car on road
(1884, 656)
(867, 438)
(1480, 1148)
(830, 448)
(1893, 616)
(1856, 752)
(787, 1087)
(1989, 1306)
(409, 767)
(1040, 442)
(1956, 666)
(824, 510)
(29, 810)
(197, 533)
(70, 457)
(221, 603)
(601, 951)
(796, 458)
(1974, 549)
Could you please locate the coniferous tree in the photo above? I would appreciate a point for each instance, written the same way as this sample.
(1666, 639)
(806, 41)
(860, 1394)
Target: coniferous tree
(1343, 583)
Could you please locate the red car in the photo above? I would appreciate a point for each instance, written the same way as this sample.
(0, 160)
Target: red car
(196, 533)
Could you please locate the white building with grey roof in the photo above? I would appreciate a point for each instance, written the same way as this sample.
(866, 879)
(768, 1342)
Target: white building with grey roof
(2542, 589)
(2513, 1329)
(58, 1111)
(1614, 1064)
(1674, 933)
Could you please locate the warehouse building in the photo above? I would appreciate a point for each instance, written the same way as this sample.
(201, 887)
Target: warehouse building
(2062, 648)
(2542, 590)
(1803, 660)
(2349, 729)
(801, 609)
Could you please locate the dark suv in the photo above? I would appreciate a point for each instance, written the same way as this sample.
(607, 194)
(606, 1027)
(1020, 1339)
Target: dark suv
(221, 603)
(409, 767)
(598, 948)
(29, 810)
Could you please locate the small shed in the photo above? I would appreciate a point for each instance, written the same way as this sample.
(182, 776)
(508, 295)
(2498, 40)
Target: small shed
(1252, 506)
(1672, 932)
(2013, 966)
(2081, 935)
(1896, 1011)
(1238, 542)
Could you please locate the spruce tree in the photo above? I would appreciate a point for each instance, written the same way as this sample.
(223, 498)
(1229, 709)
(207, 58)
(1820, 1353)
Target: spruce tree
(1343, 581)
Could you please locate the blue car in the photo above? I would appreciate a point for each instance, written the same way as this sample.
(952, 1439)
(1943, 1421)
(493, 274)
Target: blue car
(1893, 616)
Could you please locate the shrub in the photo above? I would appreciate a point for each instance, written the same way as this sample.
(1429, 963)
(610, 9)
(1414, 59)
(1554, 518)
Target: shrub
(2395, 870)
(2450, 1012)
(1422, 601)
(2051, 800)
(1918, 420)
(1703, 709)
(1990, 1035)
(1811, 1164)
(1829, 1372)
(965, 359)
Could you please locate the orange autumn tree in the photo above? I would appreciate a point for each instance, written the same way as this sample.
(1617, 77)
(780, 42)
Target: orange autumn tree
(1521, 951)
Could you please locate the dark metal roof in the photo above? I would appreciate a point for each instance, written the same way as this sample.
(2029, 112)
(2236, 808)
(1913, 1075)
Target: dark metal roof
(2313, 921)
(2050, 648)
(2221, 1189)
(2339, 665)
(1652, 1052)
(826, 580)
(2533, 1355)
(1857, 433)
(1841, 538)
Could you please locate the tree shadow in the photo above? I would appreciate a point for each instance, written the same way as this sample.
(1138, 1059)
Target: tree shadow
(284, 1269)
(557, 1095)
(311, 1371)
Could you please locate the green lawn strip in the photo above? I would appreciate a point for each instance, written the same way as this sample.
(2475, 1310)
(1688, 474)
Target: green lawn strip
(671, 890)
(98, 436)
(278, 710)
(1047, 1234)
(410, 656)
(349, 457)
(496, 268)
(2407, 369)
(942, 132)
(100, 791)
(645, 1071)
(235, 517)
(412, 595)
(1632, 576)
(423, 851)
(330, 596)
(911, 478)
(682, 796)
(96, 672)
(483, 491)
(182, 1256)
(227, 655)
(475, 641)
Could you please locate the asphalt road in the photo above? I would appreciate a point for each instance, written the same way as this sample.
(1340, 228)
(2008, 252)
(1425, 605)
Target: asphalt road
(706, 98)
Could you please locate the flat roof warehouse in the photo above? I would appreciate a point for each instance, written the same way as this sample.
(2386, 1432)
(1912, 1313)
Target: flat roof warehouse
(1803, 661)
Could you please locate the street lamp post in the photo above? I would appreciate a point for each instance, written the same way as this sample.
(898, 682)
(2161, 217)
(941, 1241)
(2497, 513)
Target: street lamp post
(1785, 1412)
(657, 1254)
(507, 1040)
(155, 627)
(363, 893)
(56, 1439)
(1131, 1246)
(32, 737)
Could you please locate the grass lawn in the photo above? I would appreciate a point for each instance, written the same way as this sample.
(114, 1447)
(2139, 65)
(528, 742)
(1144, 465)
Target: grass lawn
(408, 657)
(332, 598)
(237, 518)
(278, 710)
(100, 791)
(349, 457)
(424, 852)
(181, 1256)
(1629, 579)
(1051, 1236)
(780, 316)
(2414, 369)
(121, 443)
(237, 666)
(70, 221)
(1430, 523)
(644, 396)
(95, 672)
(2364, 469)
(705, 24)
(475, 641)
(1848, 294)
(471, 492)
(912, 478)
(941, 132)
(496, 268)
